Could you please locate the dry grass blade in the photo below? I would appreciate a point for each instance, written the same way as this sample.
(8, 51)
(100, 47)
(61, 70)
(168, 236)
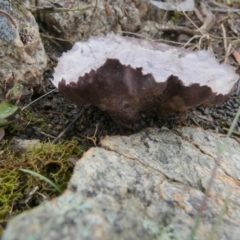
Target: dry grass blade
(81, 112)
(44, 95)
(57, 10)
(212, 177)
(177, 29)
(227, 47)
(209, 20)
(224, 37)
(228, 53)
(208, 23)
(55, 38)
(223, 8)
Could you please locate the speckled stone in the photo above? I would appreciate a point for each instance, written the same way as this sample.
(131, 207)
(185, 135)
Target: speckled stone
(149, 185)
(23, 58)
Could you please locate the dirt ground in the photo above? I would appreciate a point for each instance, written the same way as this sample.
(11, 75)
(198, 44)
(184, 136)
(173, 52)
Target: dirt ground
(215, 28)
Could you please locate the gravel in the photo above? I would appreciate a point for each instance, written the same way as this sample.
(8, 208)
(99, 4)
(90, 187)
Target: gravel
(56, 113)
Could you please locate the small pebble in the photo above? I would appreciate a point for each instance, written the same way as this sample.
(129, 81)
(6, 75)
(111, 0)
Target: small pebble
(215, 115)
(220, 111)
(231, 114)
(224, 118)
(54, 133)
(206, 111)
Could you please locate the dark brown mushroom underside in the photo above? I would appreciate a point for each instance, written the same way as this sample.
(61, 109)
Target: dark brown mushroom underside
(124, 93)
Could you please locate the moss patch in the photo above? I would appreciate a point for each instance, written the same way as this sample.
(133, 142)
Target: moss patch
(20, 191)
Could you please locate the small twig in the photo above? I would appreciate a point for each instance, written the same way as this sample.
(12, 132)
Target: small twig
(209, 20)
(45, 134)
(228, 53)
(55, 38)
(223, 19)
(224, 37)
(195, 122)
(232, 26)
(199, 15)
(205, 28)
(80, 113)
(45, 198)
(155, 40)
(178, 29)
(93, 138)
(9, 17)
(223, 7)
(38, 99)
(227, 47)
(192, 38)
(32, 192)
(57, 10)
(190, 20)
(169, 41)
(95, 7)
(228, 10)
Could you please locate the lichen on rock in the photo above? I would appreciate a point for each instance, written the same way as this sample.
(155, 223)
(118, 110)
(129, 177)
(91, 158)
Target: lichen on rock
(23, 58)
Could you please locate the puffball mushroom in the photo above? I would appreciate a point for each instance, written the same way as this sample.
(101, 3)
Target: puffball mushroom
(127, 76)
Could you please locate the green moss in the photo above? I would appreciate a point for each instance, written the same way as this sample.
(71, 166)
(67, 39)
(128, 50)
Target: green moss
(175, 17)
(30, 119)
(47, 159)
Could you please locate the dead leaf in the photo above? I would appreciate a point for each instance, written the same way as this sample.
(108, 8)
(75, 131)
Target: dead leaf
(236, 55)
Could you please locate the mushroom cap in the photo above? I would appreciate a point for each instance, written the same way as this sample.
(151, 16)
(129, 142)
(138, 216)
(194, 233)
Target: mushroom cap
(125, 76)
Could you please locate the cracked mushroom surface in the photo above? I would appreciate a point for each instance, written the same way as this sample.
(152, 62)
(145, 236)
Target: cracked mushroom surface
(126, 76)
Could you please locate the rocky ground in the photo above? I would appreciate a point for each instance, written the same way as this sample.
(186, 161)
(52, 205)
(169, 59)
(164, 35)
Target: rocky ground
(159, 175)
(57, 113)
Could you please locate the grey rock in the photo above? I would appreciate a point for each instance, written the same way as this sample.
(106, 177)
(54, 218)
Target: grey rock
(7, 32)
(22, 55)
(100, 17)
(149, 185)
